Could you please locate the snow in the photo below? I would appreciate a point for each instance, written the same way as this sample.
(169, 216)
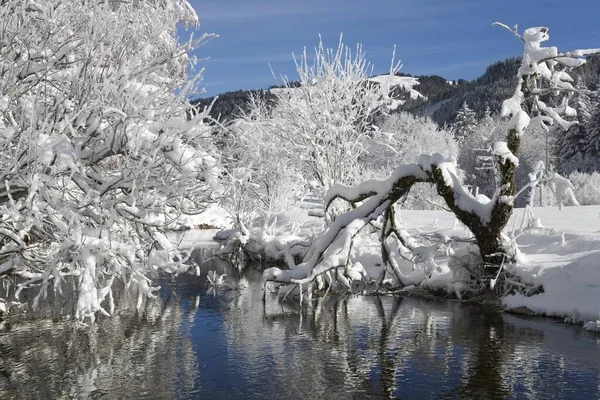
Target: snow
(375, 186)
(501, 149)
(512, 106)
(394, 104)
(563, 256)
(405, 82)
(519, 122)
(214, 216)
(582, 52)
(464, 199)
(592, 326)
(388, 82)
(540, 61)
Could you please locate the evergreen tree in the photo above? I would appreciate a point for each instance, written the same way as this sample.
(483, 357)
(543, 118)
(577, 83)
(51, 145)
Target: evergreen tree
(465, 123)
(487, 117)
(572, 143)
(592, 141)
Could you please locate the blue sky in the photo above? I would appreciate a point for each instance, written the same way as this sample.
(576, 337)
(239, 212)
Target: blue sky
(451, 38)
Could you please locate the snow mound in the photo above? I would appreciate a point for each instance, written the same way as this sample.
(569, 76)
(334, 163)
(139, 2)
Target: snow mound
(572, 290)
(592, 326)
(565, 260)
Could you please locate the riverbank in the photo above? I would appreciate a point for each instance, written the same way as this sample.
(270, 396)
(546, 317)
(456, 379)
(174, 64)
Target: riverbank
(562, 254)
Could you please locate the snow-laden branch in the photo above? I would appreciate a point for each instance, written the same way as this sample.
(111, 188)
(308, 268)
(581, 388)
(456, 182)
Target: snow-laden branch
(330, 249)
(100, 153)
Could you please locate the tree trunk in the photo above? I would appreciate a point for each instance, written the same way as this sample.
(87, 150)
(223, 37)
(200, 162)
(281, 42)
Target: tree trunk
(488, 235)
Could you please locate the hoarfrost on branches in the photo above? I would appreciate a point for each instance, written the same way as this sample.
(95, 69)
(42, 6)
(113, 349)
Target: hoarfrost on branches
(320, 124)
(100, 148)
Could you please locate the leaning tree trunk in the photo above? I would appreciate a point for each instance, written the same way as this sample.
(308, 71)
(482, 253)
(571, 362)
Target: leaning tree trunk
(488, 234)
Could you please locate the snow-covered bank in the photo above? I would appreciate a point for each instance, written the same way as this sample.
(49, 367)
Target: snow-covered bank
(213, 217)
(563, 256)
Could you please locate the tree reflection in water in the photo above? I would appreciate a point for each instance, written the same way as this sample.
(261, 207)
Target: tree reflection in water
(191, 344)
(143, 354)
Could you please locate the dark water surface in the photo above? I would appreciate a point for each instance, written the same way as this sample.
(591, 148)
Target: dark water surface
(191, 343)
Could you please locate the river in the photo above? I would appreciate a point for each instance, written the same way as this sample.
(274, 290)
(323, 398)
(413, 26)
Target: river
(191, 343)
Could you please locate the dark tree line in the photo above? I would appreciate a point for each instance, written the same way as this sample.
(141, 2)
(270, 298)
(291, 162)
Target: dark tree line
(496, 84)
(230, 105)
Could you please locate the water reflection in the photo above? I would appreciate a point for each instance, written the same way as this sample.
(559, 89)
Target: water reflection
(192, 344)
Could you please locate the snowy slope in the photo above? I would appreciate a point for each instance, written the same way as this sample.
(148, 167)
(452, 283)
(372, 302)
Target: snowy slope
(405, 82)
(565, 258)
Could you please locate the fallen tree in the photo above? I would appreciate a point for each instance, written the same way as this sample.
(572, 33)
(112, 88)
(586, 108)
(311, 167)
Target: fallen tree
(543, 74)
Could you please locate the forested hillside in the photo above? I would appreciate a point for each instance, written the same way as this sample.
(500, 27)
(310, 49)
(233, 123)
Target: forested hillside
(489, 90)
(442, 98)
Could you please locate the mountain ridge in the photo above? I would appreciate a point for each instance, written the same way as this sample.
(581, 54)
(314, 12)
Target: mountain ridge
(441, 98)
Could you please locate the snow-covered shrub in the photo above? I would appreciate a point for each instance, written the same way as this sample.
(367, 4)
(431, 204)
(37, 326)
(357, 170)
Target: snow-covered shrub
(402, 137)
(321, 122)
(100, 150)
(311, 137)
(262, 178)
(586, 187)
(464, 264)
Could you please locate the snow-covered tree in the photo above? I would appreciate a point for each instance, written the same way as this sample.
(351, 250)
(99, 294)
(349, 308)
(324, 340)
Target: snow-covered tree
(262, 178)
(475, 155)
(465, 122)
(572, 143)
(543, 72)
(400, 139)
(592, 141)
(323, 119)
(487, 118)
(100, 150)
(402, 136)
